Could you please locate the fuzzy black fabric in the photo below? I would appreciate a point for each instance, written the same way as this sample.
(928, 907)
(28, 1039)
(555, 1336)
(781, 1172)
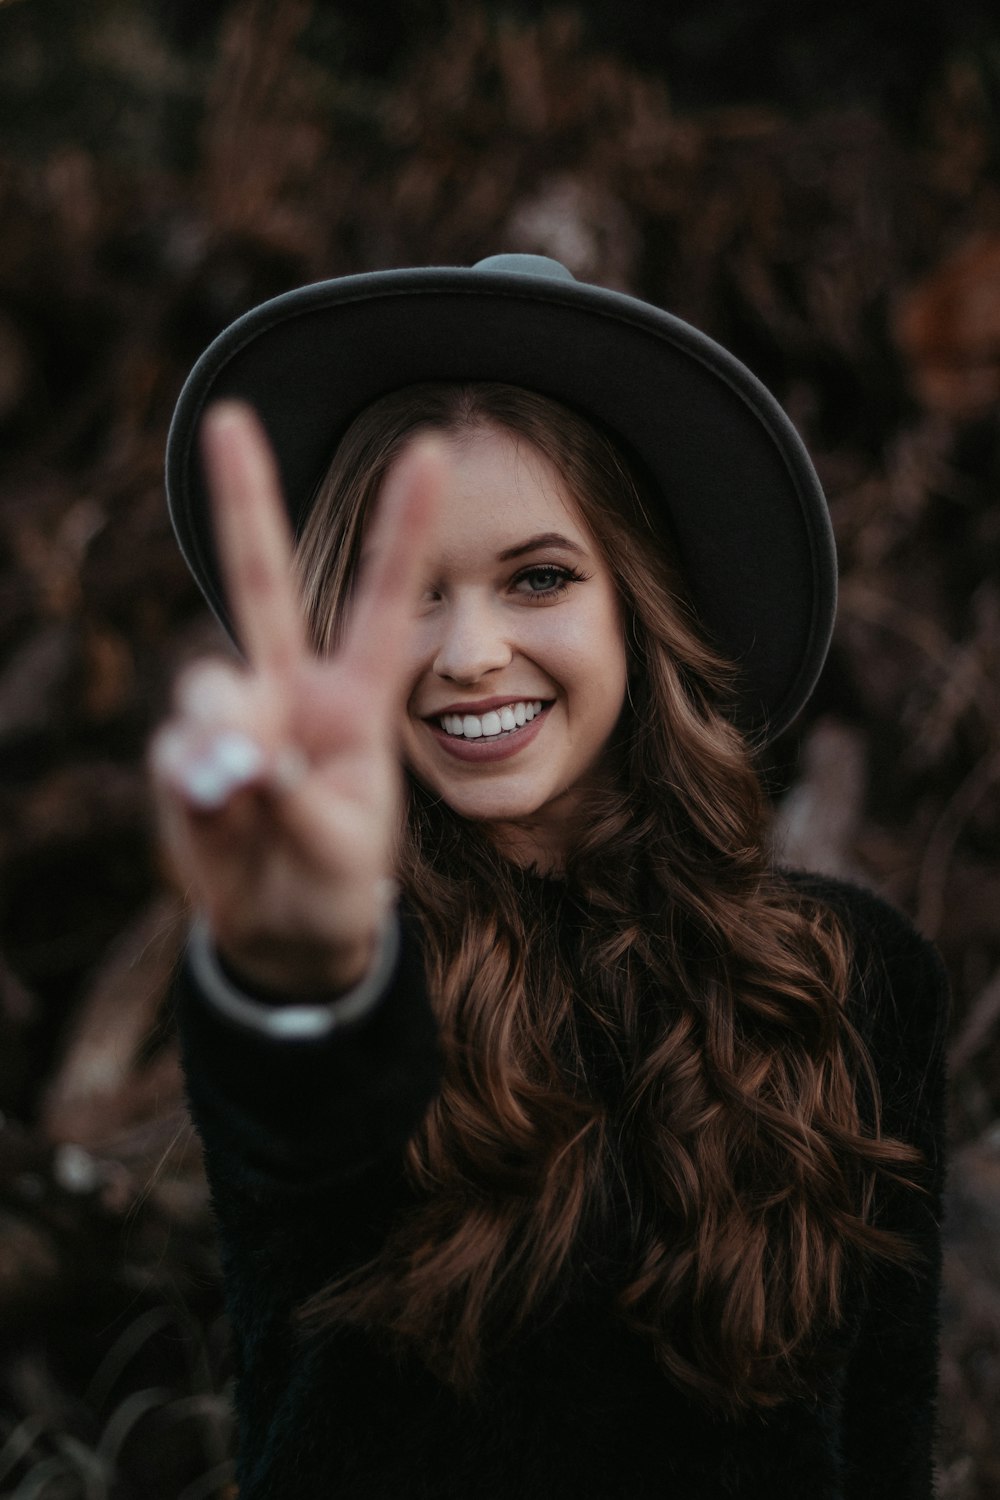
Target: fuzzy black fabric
(303, 1144)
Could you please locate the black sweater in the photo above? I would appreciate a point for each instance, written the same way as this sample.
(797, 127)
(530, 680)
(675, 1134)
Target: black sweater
(303, 1145)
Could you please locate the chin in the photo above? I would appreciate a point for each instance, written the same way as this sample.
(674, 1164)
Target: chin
(486, 810)
(481, 804)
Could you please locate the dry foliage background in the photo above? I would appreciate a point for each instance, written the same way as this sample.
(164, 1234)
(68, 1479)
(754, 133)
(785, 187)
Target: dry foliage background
(161, 169)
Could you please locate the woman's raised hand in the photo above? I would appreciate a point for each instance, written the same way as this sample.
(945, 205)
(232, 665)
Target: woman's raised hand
(279, 786)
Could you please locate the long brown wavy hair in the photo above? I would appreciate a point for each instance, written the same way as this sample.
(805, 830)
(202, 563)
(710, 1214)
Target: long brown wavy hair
(648, 1065)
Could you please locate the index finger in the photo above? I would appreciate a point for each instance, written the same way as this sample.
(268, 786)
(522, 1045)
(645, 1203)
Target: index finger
(253, 537)
(396, 551)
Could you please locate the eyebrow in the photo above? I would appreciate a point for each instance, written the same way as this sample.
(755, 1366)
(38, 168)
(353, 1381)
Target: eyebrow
(543, 539)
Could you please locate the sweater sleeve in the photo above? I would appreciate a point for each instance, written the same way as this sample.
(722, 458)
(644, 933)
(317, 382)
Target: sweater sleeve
(304, 1136)
(891, 1385)
(304, 1139)
(298, 1106)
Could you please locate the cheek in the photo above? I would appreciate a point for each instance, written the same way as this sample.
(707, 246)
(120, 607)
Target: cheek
(601, 650)
(593, 631)
(594, 675)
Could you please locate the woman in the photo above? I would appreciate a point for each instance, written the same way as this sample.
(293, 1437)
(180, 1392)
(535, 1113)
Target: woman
(609, 1165)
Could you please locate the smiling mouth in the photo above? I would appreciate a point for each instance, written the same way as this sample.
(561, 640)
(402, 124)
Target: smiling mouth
(494, 724)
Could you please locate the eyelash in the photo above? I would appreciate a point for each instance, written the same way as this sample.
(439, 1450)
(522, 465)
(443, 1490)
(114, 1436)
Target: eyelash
(564, 577)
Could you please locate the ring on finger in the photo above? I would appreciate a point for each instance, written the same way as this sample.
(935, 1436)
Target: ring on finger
(208, 771)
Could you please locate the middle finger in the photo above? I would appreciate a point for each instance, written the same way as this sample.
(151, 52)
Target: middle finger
(393, 571)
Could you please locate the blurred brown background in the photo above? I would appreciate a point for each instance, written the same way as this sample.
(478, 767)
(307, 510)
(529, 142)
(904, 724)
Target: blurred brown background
(820, 191)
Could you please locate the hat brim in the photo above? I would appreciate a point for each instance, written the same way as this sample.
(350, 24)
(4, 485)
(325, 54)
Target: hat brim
(740, 497)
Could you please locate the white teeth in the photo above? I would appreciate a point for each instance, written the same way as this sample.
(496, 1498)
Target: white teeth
(489, 725)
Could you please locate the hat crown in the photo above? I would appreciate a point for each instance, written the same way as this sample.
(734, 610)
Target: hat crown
(526, 265)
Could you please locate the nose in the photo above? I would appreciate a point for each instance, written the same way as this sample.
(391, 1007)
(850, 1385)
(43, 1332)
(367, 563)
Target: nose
(472, 644)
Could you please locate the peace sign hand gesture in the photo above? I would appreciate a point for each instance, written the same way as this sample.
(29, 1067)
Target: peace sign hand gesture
(279, 786)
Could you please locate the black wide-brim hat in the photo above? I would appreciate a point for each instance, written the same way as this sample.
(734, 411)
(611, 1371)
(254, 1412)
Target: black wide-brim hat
(741, 502)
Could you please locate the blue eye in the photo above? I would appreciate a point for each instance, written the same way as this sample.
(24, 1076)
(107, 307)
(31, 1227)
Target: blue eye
(545, 580)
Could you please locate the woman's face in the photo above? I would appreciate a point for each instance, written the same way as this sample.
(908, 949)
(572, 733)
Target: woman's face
(518, 672)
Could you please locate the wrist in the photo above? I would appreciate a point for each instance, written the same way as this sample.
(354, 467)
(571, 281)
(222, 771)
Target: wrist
(307, 964)
(279, 1014)
(299, 977)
